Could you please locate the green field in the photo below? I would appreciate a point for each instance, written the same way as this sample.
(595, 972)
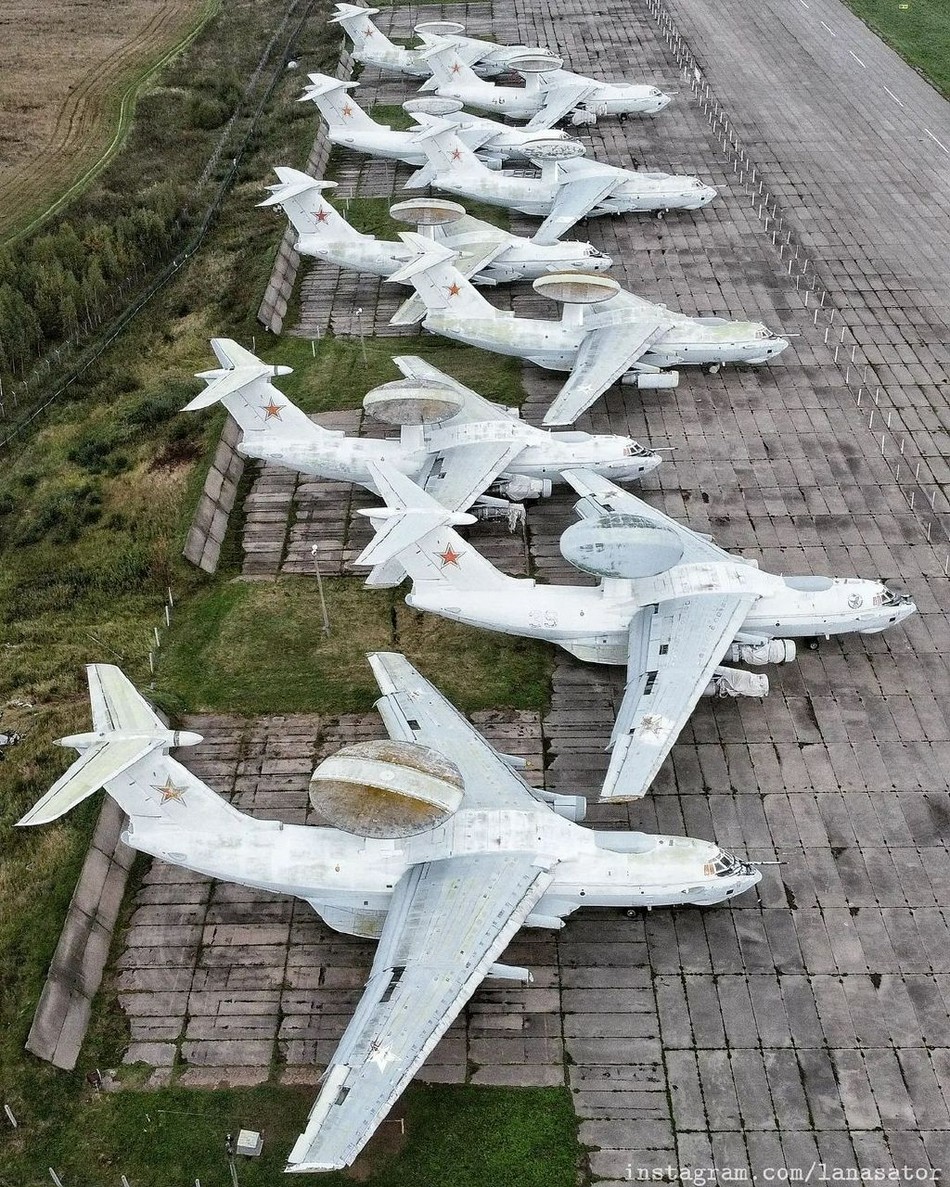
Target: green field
(918, 29)
(94, 507)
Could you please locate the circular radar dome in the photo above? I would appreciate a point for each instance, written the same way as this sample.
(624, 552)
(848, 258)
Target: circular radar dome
(412, 402)
(433, 105)
(427, 212)
(386, 789)
(621, 545)
(439, 29)
(555, 150)
(576, 288)
(536, 63)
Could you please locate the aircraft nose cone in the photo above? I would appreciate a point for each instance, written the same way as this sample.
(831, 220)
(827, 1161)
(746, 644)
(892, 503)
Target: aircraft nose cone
(779, 345)
(709, 192)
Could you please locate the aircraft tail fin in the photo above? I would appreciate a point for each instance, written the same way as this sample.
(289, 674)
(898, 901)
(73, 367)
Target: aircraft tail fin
(242, 384)
(126, 730)
(444, 148)
(438, 282)
(300, 196)
(417, 532)
(336, 104)
(361, 30)
(449, 64)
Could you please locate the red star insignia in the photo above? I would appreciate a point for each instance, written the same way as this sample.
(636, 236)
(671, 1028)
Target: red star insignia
(168, 791)
(347, 111)
(454, 290)
(272, 409)
(368, 31)
(321, 216)
(456, 68)
(456, 154)
(449, 557)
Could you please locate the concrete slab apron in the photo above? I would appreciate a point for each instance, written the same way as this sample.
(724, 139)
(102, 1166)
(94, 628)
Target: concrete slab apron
(802, 1028)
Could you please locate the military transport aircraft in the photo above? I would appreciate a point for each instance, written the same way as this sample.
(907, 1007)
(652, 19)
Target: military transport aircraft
(549, 94)
(566, 190)
(349, 126)
(670, 604)
(604, 334)
(372, 47)
(453, 442)
(486, 254)
(436, 846)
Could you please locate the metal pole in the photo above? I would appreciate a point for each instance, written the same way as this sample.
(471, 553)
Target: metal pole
(314, 552)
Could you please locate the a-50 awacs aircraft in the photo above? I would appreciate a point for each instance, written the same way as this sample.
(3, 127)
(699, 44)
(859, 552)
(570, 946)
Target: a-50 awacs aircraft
(670, 604)
(486, 254)
(567, 189)
(442, 858)
(453, 442)
(349, 126)
(549, 94)
(604, 334)
(372, 47)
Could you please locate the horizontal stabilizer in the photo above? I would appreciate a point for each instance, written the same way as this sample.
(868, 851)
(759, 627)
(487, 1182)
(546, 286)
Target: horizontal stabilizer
(430, 255)
(410, 515)
(98, 764)
(238, 371)
(292, 184)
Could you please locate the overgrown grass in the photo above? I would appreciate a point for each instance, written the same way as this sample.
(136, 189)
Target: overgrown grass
(918, 30)
(259, 647)
(464, 1136)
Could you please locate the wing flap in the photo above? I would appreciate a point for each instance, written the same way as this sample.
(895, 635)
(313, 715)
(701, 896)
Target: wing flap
(558, 101)
(605, 354)
(673, 649)
(462, 473)
(577, 196)
(448, 922)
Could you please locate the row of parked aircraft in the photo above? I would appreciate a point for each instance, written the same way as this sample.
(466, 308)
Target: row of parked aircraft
(434, 842)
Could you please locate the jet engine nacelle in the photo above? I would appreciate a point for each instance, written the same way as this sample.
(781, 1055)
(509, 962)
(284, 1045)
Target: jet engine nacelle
(582, 118)
(651, 380)
(386, 789)
(733, 682)
(769, 651)
(621, 545)
(521, 487)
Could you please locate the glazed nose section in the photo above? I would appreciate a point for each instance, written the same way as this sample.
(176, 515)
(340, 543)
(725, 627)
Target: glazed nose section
(707, 193)
(661, 100)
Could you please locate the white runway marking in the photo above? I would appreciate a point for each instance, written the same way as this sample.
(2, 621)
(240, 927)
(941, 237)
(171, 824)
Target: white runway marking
(937, 142)
(892, 95)
(828, 27)
(856, 58)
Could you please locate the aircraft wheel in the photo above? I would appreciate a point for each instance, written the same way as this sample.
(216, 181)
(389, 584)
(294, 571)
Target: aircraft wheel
(813, 643)
(660, 213)
(631, 912)
(714, 368)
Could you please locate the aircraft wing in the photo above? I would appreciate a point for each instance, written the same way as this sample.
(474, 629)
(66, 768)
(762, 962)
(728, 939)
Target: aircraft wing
(674, 647)
(414, 711)
(474, 407)
(448, 922)
(577, 196)
(605, 354)
(460, 474)
(559, 99)
(599, 496)
(117, 704)
(472, 258)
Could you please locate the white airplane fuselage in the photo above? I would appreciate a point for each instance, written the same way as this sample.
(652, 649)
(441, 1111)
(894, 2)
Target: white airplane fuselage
(593, 623)
(643, 192)
(336, 872)
(525, 102)
(544, 457)
(393, 144)
(521, 260)
(554, 344)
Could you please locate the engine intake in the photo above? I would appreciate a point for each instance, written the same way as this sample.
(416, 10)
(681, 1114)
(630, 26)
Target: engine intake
(733, 682)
